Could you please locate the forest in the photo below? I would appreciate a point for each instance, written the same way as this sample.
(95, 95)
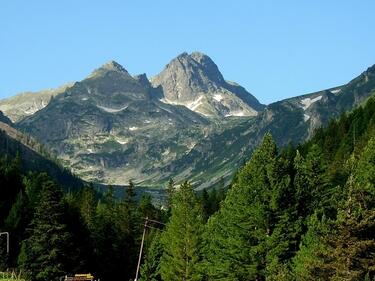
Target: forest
(304, 212)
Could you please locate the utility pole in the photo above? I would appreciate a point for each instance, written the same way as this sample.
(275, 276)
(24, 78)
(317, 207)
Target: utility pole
(143, 240)
(140, 251)
(7, 235)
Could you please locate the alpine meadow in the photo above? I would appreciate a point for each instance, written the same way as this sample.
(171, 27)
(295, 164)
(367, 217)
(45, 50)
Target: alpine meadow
(182, 174)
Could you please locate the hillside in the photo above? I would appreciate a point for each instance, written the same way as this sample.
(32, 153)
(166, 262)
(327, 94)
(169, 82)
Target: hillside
(33, 156)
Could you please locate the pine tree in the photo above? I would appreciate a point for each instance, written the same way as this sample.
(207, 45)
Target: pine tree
(353, 256)
(45, 253)
(150, 269)
(87, 204)
(310, 264)
(130, 192)
(344, 248)
(239, 236)
(182, 238)
(311, 182)
(170, 192)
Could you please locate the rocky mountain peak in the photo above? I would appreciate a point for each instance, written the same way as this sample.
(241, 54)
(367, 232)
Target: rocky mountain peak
(195, 81)
(198, 68)
(111, 66)
(143, 80)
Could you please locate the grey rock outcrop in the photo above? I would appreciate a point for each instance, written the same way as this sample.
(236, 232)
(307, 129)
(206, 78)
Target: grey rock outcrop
(195, 81)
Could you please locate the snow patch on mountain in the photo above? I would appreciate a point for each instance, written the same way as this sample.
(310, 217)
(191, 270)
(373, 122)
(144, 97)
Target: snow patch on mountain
(336, 91)
(122, 142)
(218, 97)
(191, 105)
(236, 113)
(307, 102)
(112, 110)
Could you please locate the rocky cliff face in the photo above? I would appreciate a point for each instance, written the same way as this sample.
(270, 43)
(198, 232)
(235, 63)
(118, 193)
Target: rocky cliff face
(195, 81)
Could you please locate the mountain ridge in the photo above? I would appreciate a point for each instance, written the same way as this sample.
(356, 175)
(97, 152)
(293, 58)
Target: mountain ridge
(112, 127)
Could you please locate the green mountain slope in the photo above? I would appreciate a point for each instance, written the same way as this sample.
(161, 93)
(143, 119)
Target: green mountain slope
(34, 157)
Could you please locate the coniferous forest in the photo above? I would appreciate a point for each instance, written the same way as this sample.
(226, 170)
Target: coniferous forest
(291, 213)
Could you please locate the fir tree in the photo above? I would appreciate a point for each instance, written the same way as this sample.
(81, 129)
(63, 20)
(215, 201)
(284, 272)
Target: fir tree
(130, 192)
(45, 253)
(150, 269)
(240, 234)
(182, 238)
(170, 192)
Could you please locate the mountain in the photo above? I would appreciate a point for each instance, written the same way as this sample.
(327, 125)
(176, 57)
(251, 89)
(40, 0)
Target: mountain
(26, 104)
(112, 126)
(289, 121)
(195, 81)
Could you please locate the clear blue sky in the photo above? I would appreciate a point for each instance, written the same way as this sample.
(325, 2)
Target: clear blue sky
(275, 49)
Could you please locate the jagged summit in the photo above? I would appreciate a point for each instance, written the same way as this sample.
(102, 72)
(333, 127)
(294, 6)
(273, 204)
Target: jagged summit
(142, 79)
(109, 67)
(195, 81)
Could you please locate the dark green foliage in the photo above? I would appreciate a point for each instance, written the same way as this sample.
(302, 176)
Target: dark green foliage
(46, 252)
(182, 239)
(250, 221)
(210, 200)
(150, 270)
(170, 192)
(302, 214)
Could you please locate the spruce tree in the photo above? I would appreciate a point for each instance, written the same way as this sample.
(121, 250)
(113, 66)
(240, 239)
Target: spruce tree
(182, 238)
(170, 192)
(353, 242)
(150, 269)
(45, 253)
(239, 236)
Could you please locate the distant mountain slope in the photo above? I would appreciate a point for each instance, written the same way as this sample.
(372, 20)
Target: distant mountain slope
(195, 81)
(296, 118)
(33, 155)
(26, 104)
(289, 121)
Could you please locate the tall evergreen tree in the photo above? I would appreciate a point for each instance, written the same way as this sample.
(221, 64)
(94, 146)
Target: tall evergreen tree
(45, 253)
(170, 192)
(150, 269)
(240, 234)
(353, 241)
(344, 248)
(182, 238)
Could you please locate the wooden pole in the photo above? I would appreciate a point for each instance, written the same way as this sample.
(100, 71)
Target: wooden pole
(140, 251)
